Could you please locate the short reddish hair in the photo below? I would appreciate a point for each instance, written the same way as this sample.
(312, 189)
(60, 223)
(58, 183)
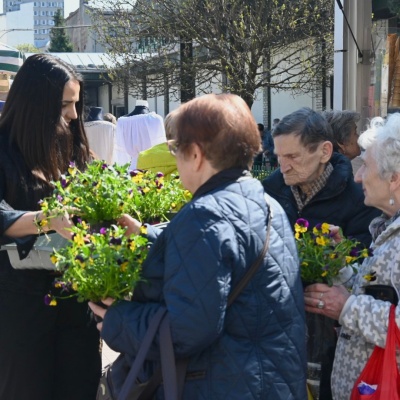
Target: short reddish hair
(222, 125)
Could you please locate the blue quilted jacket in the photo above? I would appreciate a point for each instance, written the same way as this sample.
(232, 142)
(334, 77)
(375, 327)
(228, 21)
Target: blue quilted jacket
(255, 349)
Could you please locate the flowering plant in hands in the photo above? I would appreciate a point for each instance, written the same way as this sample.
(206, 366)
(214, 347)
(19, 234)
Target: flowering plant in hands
(99, 193)
(99, 261)
(97, 265)
(155, 198)
(103, 193)
(321, 256)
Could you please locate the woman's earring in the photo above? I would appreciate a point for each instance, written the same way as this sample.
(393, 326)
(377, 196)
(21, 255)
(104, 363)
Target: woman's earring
(391, 201)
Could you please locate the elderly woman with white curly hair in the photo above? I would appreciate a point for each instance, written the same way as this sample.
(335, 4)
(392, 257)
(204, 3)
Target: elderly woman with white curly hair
(364, 317)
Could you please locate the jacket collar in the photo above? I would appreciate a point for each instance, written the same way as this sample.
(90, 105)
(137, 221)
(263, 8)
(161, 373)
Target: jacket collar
(221, 178)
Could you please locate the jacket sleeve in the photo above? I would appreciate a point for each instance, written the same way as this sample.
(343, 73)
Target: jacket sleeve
(7, 217)
(357, 225)
(363, 314)
(199, 257)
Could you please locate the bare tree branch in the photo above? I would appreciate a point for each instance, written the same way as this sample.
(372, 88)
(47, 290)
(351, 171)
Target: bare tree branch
(237, 45)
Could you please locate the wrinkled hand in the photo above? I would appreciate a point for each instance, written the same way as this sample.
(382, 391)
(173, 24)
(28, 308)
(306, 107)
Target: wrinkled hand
(100, 311)
(329, 299)
(132, 225)
(335, 233)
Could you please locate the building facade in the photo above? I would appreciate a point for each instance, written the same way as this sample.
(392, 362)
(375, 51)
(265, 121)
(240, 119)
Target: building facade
(42, 19)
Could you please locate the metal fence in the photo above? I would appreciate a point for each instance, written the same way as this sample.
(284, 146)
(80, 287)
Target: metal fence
(261, 171)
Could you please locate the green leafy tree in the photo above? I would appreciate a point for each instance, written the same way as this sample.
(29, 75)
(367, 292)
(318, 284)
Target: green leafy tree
(59, 41)
(189, 46)
(27, 48)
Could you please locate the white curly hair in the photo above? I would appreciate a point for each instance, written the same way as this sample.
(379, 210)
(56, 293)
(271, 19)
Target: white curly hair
(383, 137)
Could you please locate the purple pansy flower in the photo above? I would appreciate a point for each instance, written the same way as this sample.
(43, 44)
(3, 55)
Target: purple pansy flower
(302, 222)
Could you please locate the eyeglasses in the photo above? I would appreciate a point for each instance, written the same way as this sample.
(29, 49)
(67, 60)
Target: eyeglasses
(172, 146)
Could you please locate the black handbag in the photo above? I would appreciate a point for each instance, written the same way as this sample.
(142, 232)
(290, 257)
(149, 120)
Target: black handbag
(171, 374)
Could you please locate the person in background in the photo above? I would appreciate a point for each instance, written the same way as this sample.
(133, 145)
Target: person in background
(255, 349)
(110, 118)
(317, 184)
(344, 127)
(268, 145)
(158, 158)
(46, 353)
(363, 314)
(259, 158)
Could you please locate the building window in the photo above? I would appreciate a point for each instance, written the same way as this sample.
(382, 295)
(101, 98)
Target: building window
(35, 13)
(43, 4)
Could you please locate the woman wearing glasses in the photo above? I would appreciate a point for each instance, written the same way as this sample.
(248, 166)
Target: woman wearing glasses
(255, 349)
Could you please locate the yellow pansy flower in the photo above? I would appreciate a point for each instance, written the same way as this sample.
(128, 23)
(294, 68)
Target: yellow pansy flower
(321, 240)
(349, 259)
(299, 228)
(325, 228)
(72, 171)
(79, 239)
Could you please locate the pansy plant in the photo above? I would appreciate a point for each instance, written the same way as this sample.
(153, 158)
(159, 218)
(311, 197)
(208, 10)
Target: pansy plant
(321, 256)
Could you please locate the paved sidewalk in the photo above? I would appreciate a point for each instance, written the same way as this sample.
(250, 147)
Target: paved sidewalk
(107, 355)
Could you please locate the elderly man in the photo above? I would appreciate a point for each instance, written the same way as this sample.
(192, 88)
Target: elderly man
(317, 184)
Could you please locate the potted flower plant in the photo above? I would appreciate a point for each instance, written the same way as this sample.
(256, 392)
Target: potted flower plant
(100, 260)
(102, 193)
(322, 258)
(97, 265)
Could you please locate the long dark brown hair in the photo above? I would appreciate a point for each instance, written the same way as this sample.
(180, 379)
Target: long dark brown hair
(32, 117)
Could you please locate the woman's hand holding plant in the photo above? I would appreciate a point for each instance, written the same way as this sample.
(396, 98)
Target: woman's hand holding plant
(132, 225)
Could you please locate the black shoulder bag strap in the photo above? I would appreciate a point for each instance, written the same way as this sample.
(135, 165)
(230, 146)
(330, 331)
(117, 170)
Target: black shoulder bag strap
(256, 265)
(137, 364)
(181, 364)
